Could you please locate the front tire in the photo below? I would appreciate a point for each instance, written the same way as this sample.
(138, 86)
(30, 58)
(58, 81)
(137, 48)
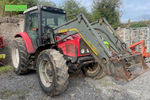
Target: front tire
(52, 72)
(20, 57)
(94, 71)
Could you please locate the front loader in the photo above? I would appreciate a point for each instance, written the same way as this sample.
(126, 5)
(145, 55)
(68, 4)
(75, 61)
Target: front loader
(55, 47)
(117, 60)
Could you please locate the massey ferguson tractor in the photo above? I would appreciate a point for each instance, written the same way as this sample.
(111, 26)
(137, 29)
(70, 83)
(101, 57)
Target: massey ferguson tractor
(55, 47)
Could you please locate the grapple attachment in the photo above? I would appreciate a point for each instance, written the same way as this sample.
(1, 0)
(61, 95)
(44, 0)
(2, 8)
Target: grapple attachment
(128, 68)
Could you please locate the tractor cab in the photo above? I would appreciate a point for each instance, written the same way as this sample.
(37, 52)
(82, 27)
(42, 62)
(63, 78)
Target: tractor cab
(40, 21)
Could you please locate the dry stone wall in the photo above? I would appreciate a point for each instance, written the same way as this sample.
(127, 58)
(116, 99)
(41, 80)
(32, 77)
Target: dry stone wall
(9, 26)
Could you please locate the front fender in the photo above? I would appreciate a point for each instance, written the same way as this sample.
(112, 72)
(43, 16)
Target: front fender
(27, 41)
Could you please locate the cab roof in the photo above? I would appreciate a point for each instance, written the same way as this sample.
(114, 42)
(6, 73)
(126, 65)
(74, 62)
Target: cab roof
(47, 8)
(30, 9)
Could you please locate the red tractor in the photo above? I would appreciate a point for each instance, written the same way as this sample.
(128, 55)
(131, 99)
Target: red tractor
(52, 55)
(55, 46)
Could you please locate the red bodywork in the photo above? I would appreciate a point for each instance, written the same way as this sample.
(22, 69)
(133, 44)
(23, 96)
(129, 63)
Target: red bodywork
(68, 45)
(27, 41)
(2, 44)
(143, 48)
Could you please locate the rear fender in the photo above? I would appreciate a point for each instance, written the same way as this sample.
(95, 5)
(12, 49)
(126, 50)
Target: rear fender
(2, 43)
(27, 41)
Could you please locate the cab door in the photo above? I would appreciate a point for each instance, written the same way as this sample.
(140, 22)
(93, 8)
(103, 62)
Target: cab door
(31, 27)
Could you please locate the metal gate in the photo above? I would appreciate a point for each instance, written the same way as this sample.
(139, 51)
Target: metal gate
(132, 35)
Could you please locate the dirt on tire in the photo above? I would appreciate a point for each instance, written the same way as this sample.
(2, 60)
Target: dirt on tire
(23, 56)
(61, 72)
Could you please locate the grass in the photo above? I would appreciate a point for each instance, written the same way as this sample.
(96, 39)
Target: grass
(6, 94)
(5, 69)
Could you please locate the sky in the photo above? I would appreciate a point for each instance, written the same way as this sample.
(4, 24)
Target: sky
(135, 10)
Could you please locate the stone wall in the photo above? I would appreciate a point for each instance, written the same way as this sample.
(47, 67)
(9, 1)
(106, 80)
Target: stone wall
(8, 28)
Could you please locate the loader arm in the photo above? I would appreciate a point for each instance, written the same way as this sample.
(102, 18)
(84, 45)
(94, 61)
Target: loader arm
(116, 62)
(81, 26)
(107, 33)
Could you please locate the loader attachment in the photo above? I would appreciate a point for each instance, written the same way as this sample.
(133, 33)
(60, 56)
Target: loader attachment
(128, 68)
(117, 60)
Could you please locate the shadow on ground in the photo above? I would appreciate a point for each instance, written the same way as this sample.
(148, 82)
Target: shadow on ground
(26, 87)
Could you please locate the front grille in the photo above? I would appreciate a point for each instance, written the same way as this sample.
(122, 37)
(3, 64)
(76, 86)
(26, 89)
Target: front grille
(70, 48)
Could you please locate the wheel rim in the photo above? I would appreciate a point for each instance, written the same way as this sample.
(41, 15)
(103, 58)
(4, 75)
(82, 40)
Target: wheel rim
(15, 57)
(45, 72)
(92, 69)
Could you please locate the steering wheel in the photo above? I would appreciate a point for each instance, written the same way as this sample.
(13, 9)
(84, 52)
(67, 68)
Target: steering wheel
(47, 27)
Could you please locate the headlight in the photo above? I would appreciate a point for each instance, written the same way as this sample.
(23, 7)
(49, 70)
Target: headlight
(82, 51)
(83, 47)
(87, 50)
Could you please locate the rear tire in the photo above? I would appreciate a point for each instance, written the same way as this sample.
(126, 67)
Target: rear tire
(52, 72)
(95, 71)
(20, 57)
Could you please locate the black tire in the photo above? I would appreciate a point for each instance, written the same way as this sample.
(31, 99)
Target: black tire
(95, 71)
(21, 66)
(59, 72)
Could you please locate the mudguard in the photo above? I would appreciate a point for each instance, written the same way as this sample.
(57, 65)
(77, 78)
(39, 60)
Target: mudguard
(27, 41)
(2, 43)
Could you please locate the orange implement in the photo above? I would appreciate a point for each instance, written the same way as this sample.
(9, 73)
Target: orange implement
(143, 49)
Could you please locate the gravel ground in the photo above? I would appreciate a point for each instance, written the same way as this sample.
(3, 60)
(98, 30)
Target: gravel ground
(137, 89)
(13, 87)
(140, 86)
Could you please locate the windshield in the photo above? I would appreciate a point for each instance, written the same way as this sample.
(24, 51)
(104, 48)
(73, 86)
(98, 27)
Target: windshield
(52, 20)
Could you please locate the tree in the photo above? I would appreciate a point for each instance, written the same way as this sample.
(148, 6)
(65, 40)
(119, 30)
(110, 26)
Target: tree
(74, 7)
(47, 3)
(29, 3)
(108, 9)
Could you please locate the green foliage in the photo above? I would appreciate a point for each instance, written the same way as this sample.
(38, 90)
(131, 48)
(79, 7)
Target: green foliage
(139, 24)
(5, 69)
(101, 8)
(108, 9)
(74, 7)
(71, 7)
(136, 24)
(29, 3)
(46, 3)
